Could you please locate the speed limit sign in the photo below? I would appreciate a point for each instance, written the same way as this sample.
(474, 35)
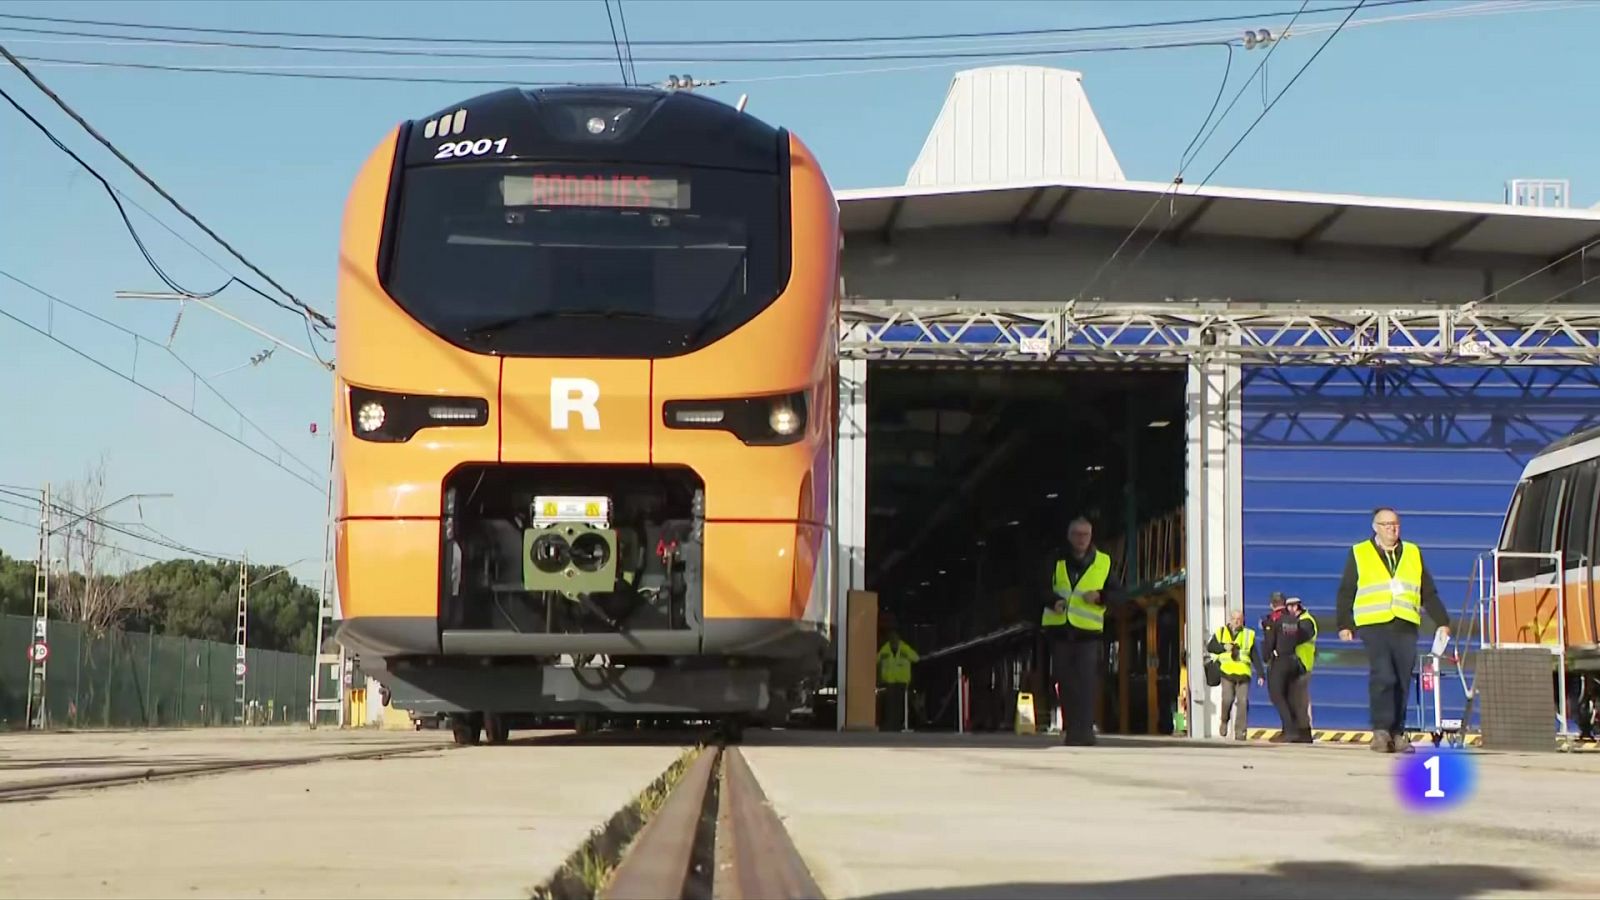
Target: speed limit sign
(39, 651)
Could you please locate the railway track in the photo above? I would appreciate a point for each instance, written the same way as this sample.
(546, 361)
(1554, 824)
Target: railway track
(44, 788)
(715, 836)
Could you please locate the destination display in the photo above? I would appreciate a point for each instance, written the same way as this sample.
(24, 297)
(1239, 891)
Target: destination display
(594, 189)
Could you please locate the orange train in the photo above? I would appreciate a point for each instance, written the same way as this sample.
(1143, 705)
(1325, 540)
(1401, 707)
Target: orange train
(586, 409)
(1546, 568)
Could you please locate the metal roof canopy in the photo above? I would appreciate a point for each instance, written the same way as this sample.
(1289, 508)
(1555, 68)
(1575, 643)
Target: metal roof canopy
(1198, 331)
(1429, 227)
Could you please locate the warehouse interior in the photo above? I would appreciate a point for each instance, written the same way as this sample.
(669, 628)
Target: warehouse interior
(974, 471)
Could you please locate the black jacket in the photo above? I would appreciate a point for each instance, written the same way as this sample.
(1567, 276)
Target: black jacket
(1215, 646)
(1344, 603)
(1281, 635)
(1111, 596)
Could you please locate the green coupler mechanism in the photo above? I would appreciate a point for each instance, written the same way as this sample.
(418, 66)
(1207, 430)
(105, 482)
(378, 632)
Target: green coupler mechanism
(569, 548)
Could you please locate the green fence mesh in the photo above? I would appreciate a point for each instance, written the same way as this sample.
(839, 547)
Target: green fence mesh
(123, 680)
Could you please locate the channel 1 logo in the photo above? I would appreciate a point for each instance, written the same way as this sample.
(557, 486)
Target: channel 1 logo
(1435, 780)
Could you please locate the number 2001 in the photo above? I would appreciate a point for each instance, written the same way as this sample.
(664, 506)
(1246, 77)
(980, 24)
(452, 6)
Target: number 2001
(470, 148)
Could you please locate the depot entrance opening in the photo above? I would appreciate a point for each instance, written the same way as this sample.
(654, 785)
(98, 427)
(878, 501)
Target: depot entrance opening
(973, 473)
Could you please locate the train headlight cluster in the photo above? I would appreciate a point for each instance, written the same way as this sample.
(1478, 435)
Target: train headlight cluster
(771, 420)
(387, 417)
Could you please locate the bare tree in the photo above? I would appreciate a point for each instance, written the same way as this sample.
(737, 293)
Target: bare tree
(92, 592)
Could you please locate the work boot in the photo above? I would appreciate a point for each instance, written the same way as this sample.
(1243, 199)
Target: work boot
(1279, 738)
(1380, 742)
(1224, 731)
(1402, 743)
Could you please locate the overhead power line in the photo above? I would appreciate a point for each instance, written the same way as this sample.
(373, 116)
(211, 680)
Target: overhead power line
(1162, 228)
(198, 379)
(1015, 52)
(73, 114)
(510, 82)
(616, 43)
(627, 43)
(267, 73)
(1189, 159)
(429, 50)
(34, 527)
(66, 510)
(719, 42)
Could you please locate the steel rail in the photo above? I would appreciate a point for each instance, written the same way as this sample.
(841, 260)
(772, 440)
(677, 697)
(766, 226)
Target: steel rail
(716, 835)
(39, 789)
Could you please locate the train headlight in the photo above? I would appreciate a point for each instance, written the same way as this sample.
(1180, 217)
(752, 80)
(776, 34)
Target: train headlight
(757, 421)
(783, 420)
(370, 416)
(387, 417)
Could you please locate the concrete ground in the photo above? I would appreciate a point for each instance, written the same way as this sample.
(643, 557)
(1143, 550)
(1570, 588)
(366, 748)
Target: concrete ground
(470, 822)
(1001, 816)
(29, 757)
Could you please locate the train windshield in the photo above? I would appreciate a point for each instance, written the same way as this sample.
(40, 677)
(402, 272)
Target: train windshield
(507, 256)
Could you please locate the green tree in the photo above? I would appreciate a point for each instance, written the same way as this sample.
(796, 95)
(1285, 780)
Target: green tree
(16, 586)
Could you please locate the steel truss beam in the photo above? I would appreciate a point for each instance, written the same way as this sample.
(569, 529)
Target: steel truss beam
(1186, 332)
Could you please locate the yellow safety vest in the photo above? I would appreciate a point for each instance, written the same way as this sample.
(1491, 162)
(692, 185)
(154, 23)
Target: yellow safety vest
(1306, 651)
(1080, 613)
(894, 666)
(1381, 597)
(1246, 641)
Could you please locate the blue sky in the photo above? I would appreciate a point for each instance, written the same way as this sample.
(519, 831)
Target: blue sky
(1436, 108)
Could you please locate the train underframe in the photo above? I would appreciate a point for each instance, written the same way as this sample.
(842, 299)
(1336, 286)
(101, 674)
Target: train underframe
(573, 595)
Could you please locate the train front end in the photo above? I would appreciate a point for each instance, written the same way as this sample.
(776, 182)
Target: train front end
(585, 388)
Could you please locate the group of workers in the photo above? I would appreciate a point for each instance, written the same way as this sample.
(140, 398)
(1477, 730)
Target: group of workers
(1382, 595)
(1385, 589)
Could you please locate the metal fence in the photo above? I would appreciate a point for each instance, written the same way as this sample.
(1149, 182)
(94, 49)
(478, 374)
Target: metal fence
(124, 680)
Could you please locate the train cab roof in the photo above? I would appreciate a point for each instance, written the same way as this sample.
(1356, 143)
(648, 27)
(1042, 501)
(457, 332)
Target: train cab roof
(610, 123)
(1575, 447)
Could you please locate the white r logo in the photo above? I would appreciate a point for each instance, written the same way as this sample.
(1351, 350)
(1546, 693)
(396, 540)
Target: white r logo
(569, 395)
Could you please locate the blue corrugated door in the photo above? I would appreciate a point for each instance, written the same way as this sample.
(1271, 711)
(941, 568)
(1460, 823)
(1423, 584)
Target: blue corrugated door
(1323, 446)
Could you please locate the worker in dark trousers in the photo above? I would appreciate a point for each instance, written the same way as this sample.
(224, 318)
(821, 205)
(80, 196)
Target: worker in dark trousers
(1082, 588)
(1234, 645)
(1288, 634)
(1385, 588)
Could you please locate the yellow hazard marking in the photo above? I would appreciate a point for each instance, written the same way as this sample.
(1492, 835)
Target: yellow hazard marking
(1354, 737)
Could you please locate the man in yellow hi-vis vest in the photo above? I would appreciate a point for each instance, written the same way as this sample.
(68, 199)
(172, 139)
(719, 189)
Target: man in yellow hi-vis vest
(894, 673)
(1082, 586)
(1234, 645)
(1385, 588)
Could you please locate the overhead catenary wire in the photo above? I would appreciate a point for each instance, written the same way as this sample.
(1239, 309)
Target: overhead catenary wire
(431, 50)
(1184, 166)
(627, 43)
(34, 526)
(616, 43)
(1036, 53)
(1161, 229)
(132, 379)
(162, 541)
(117, 197)
(581, 42)
(83, 123)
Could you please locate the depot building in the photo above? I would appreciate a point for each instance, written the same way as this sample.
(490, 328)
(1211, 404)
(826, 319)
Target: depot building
(1225, 381)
